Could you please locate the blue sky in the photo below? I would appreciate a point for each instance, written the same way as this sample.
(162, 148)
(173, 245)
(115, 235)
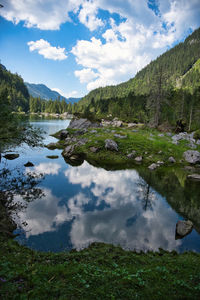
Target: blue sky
(74, 46)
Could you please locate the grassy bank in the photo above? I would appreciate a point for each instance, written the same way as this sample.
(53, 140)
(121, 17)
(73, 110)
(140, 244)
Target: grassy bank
(98, 272)
(145, 142)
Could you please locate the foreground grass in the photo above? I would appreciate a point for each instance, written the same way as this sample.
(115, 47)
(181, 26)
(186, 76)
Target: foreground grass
(146, 142)
(98, 272)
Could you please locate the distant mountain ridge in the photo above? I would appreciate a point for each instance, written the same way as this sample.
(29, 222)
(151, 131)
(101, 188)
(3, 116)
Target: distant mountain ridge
(42, 91)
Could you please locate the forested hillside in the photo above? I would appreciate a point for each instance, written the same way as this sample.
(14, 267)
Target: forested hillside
(13, 86)
(166, 90)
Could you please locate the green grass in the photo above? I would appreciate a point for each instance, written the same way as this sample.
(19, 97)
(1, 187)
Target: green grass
(145, 142)
(99, 272)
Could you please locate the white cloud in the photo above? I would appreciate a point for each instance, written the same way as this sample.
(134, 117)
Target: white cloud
(71, 94)
(45, 15)
(140, 38)
(85, 75)
(120, 50)
(87, 15)
(46, 168)
(45, 49)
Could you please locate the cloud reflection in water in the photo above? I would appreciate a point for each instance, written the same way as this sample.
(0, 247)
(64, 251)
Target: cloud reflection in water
(133, 215)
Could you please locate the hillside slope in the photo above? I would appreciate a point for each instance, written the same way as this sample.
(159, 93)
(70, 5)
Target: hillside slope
(167, 90)
(175, 63)
(13, 86)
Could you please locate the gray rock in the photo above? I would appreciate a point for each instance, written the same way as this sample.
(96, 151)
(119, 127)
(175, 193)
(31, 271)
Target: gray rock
(80, 132)
(132, 154)
(51, 146)
(194, 176)
(131, 125)
(153, 166)
(111, 145)
(82, 124)
(82, 142)
(183, 228)
(63, 134)
(68, 151)
(168, 133)
(93, 131)
(198, 142)
(11, 156)
(119, 136)
(192, 145)
(94, 149)
(161, 134)
(160, 162)
(138, 158)
(192, 156)
(171, 159)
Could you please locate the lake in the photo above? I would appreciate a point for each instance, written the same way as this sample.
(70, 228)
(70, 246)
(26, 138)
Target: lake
(136, 209)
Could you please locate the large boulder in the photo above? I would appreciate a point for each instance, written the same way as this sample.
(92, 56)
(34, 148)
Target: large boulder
(82, 124)
(111, 145)
(64, 134)
(192, 156)
(183, 228)
(68, 151)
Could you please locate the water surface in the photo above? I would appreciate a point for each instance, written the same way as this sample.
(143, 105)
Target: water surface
(135, 209)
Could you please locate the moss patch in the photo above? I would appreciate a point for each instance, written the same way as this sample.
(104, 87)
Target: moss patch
(99, 272)
(145, 142)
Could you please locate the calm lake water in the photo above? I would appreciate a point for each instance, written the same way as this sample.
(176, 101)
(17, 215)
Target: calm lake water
(135, 209)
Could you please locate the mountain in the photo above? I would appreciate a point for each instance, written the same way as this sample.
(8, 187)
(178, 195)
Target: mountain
(42, 91)
(166, 90)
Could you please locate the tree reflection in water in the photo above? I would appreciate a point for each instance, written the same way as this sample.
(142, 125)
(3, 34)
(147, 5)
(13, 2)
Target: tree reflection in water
(16, 183)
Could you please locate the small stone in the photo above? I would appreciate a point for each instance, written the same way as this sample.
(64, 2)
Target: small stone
(132, 154)
(51, 146)
(64, 134)
(159, 152)
(160, 162)
(192, 156)
(183, 228)
(29, 164)
(11, 156)
(94, 149)
(120, 136)
(194, 176)
(93, 131)
(111, 145)
(171, 159)
(138, 158)
(161, 134)
(152, 166)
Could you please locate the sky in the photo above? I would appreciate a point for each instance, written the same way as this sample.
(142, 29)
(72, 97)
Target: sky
(75, 46)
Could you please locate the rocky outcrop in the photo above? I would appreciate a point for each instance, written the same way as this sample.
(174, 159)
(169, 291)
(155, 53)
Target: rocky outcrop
(153, 166)
(115, 123)
(82, 124)
(183, 228)
(111, 145)
(68, 151)
(63, 134)
(192, 156)
(52, 146)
